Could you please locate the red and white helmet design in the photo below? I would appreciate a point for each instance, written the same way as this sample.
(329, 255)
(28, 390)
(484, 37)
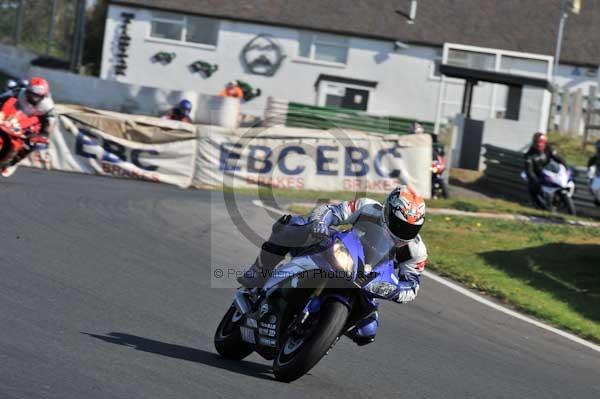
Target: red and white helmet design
(404, 213)
(38, 86)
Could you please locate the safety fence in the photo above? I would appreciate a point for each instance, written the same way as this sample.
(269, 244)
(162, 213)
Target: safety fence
(503, 173)
(314, 117)
(150, 149)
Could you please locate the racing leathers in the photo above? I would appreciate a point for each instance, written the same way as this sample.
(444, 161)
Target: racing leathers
(535, 161)
(291, 232)
(44, 110)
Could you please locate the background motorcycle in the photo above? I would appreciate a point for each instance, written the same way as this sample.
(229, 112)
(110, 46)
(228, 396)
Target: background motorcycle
(311, 301)
(17, 131)
(439, 188)
(557, 188)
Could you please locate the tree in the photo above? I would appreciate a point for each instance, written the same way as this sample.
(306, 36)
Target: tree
(94, 36)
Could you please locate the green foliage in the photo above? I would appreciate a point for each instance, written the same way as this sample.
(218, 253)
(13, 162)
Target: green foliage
(36, 26)
(571, 148)
(94, 36)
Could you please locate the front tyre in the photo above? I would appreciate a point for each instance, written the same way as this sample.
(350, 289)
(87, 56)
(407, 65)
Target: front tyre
(298, 355)
(228, 339)
(5, 145)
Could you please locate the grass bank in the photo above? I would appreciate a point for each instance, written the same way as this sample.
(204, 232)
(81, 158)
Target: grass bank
(549, 271)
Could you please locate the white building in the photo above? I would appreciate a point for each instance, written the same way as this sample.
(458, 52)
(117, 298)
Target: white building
(364, 55)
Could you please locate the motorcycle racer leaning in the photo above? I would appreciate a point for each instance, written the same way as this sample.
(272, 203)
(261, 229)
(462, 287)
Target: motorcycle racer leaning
(402, 214)
(33, 100)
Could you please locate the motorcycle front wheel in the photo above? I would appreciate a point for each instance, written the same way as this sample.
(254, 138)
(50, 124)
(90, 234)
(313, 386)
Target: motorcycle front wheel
(298, 355)
(5, 145)
(228, 338)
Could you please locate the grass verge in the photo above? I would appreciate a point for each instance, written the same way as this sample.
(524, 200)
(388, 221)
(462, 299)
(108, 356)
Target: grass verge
(463, 204)
(549, 271)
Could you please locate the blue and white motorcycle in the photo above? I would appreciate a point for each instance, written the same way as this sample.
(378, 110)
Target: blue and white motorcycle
(320, 294)
(557, 188)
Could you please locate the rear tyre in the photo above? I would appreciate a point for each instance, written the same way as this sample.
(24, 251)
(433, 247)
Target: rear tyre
(293, 360)
(228, 339)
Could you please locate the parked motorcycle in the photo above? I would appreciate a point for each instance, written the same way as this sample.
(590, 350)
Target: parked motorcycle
(311, 301)
(557, 188)
(439, 188)
(17, 130)
(594, 179)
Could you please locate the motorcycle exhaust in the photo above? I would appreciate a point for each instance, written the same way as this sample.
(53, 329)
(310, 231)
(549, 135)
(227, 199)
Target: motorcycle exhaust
(241, 303)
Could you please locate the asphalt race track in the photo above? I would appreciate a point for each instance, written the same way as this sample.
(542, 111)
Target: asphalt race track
(105, 292)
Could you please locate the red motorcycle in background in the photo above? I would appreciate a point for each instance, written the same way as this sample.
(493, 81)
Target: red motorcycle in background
(439, 188)
(17, 132)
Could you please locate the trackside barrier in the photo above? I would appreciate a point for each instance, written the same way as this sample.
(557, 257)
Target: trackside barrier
(151, 149)
(503, 170)
(314, 117)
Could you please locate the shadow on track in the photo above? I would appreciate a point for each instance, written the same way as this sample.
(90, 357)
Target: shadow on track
(247, 368)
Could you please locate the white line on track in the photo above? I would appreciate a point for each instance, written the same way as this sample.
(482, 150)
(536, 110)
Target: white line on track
(482, 300)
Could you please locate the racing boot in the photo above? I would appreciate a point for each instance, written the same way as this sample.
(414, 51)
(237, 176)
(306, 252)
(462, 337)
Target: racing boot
(261, 270)
(8, 171)
(364, 331)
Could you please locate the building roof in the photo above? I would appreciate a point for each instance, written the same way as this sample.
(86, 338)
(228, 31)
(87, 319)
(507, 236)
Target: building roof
(518, 25)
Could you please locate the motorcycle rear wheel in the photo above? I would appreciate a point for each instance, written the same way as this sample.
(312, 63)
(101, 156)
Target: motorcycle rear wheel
(228, 338)
(293, 360)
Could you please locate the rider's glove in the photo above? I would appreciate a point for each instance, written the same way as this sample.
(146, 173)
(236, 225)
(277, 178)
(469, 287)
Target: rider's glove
(321, 220)
(320, 229)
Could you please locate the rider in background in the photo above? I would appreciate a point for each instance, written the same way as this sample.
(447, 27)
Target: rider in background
(232, 90)
(595, 159)
(593, 166)
(181, 112)
(539, 155)
(33, 100)
(14, 86)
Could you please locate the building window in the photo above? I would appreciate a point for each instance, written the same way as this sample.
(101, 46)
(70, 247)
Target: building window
(470, 59)
(192, 29)
(323, 47)
(167, 25)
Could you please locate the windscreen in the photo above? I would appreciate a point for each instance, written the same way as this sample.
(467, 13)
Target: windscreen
(376, 241)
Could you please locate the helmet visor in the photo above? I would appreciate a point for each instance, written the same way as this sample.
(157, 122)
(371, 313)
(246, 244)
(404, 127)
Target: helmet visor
(400, 229)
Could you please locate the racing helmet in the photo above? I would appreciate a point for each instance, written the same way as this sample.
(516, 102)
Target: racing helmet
(185, 107)
(37, 89)
(11, 84)
(403, 213)
(539, 141)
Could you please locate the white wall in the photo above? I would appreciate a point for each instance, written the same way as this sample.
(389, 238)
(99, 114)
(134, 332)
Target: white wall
(135, 99)
(15, 61)
(405, 85)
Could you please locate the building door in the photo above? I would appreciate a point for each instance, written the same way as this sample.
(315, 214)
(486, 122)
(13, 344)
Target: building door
(471, 144)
